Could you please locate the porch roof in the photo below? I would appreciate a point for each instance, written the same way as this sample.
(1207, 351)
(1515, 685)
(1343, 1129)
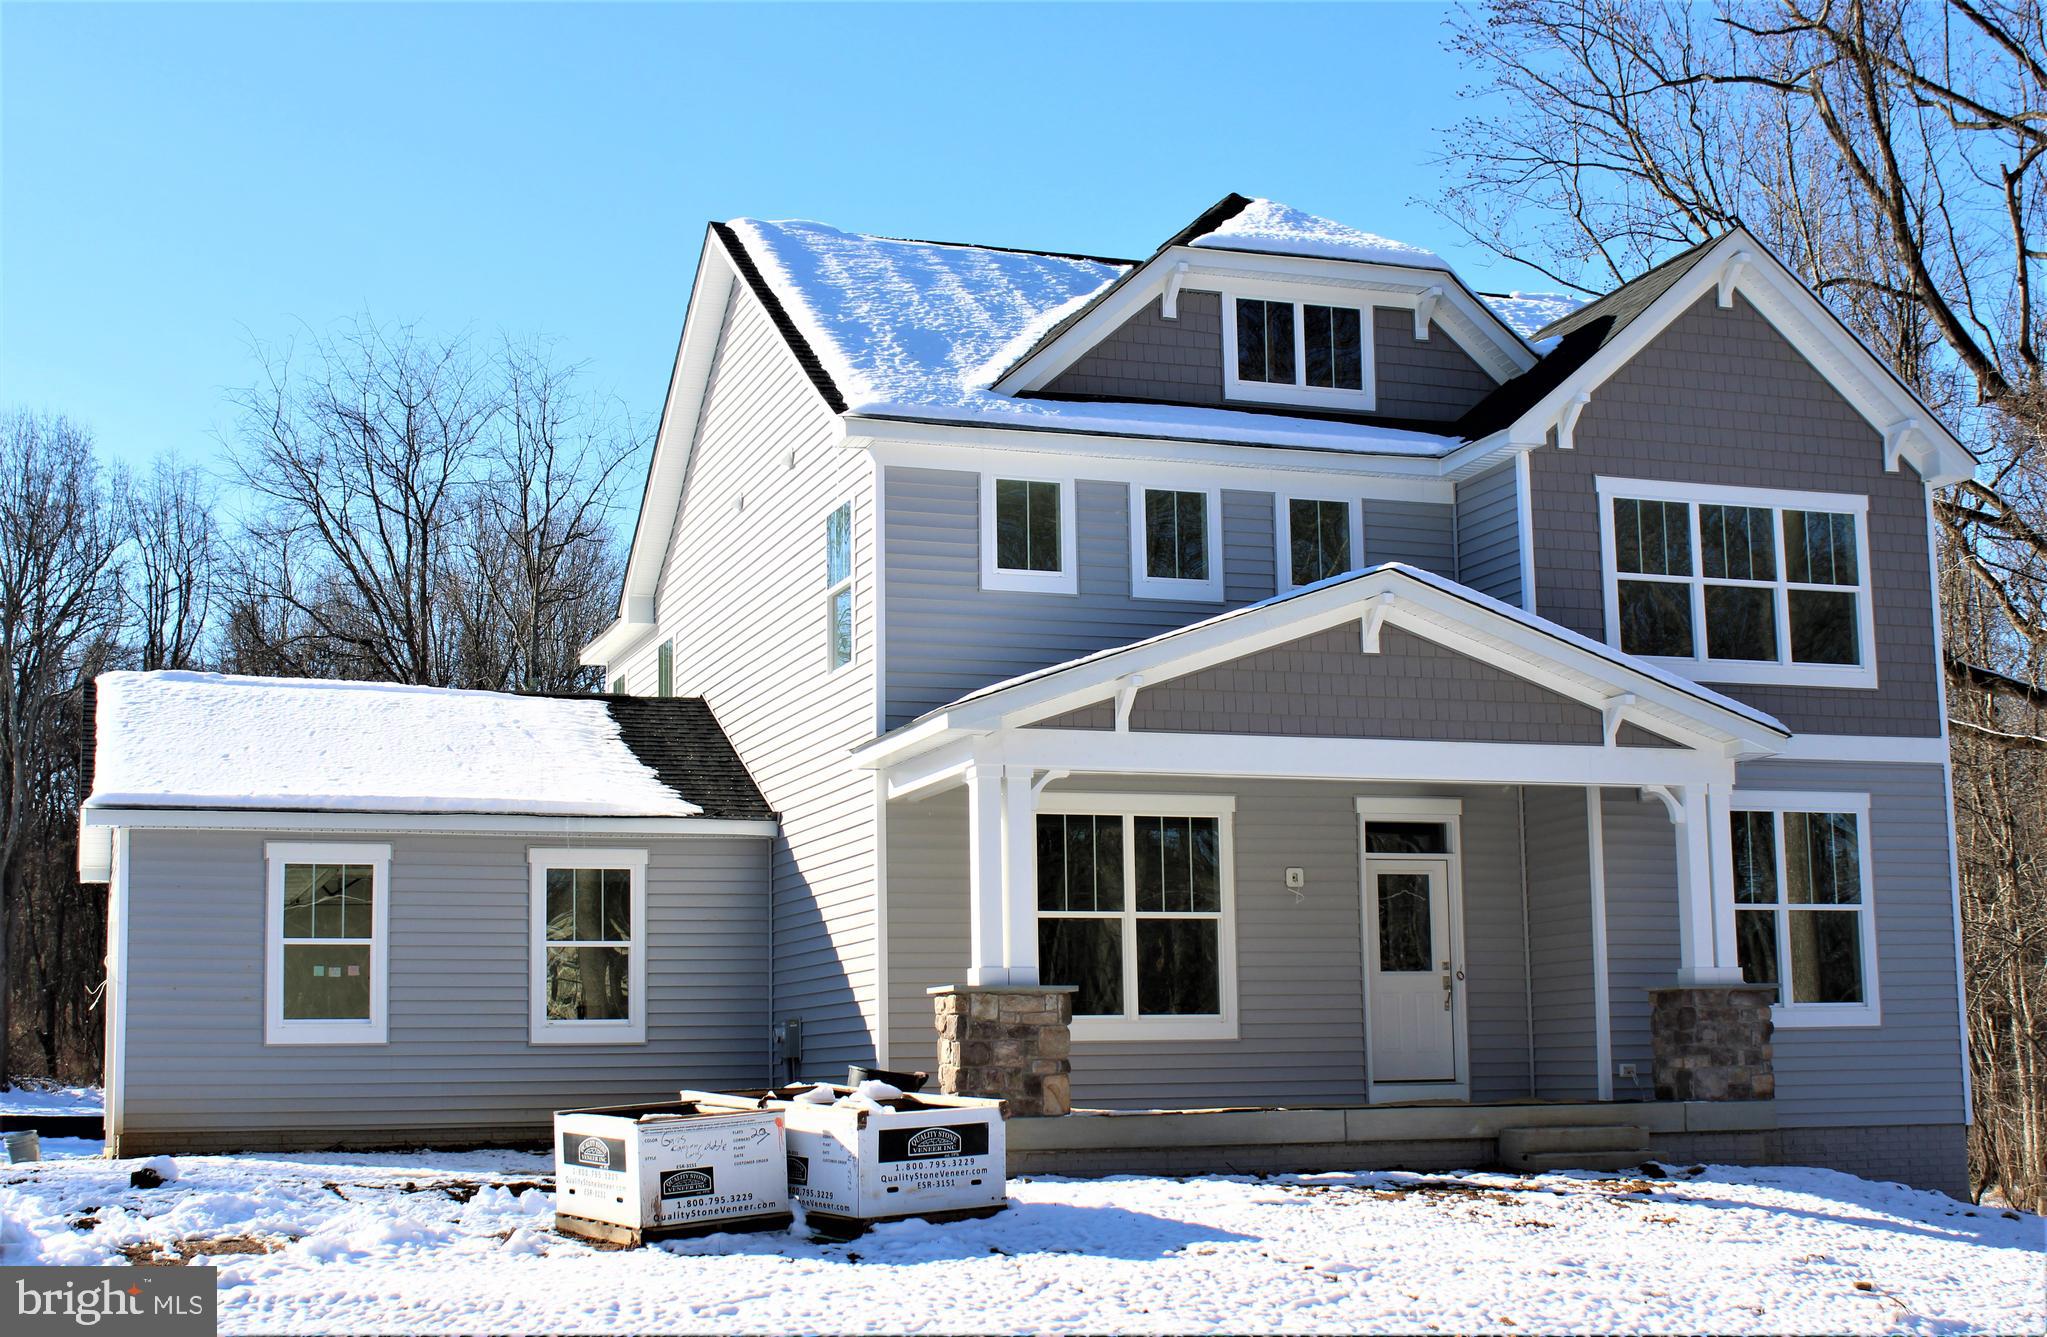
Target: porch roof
(1622, 686)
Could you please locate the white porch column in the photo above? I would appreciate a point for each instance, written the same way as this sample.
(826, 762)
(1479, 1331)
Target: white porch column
(985, 918)
(1700, 951)
(1019, 876)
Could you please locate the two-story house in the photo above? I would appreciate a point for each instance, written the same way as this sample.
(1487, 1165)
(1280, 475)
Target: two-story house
(1336, 690)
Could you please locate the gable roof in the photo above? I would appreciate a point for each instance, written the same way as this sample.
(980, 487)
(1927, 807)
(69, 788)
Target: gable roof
(316, 745)
(1420, 601)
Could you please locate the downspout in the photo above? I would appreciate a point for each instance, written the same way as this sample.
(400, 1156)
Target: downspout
(1527, 953)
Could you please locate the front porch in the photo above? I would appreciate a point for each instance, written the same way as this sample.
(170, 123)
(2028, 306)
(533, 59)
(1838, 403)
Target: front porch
(1377, 841)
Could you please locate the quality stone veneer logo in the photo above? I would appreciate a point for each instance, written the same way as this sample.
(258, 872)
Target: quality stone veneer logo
(935, 1142)
(171, 1301)
(695, 1182)
(592, 1151)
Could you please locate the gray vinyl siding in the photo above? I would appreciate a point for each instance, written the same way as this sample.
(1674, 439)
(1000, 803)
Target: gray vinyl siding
(1150, 357)
(742, 595)
(1300, 961)
(1641, 925)
(1489, 534)
(1420, 533)
(946, 636)
(1720, 397)
(1433, 380)
(1560, 944)
(459, 951)
(1909, 1069)
(1325, 686)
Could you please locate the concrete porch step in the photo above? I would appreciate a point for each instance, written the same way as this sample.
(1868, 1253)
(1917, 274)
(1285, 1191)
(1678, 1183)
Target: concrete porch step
(1614, 1146)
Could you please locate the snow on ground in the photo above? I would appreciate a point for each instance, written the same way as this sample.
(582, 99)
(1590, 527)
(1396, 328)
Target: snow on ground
(54, 1101)
(441, 1242)
(308, 743)
(1281, 229)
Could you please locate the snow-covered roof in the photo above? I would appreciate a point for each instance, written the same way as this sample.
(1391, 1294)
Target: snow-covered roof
(207, 740)
(922, 330)
(1525, 313)
(1281, 229)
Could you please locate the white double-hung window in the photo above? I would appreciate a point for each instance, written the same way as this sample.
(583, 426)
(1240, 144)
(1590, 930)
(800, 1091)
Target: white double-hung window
(1803, 922)
(1318, 538)
(1279, 348)
(589, 959)
(1176, 542)
(325, 980)
(1742, 585)
(1136, 909)
(1027, 535)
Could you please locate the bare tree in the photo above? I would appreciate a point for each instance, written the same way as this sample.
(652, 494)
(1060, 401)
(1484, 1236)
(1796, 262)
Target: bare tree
(364, 462)
(60, 537)
(175, 565)
(1892, 153)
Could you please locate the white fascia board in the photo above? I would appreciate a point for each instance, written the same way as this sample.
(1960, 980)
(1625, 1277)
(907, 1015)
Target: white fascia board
(674, 440)
(285, 819)
(1784, 300)
(1458, 310)
(931, 444)
(1588, 676)
(617, 641)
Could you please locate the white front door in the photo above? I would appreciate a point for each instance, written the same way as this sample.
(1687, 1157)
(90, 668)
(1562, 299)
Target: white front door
(1410, 970)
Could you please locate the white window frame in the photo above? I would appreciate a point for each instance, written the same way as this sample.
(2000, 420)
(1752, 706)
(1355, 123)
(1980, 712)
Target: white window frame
(1868, 1012)
(1066, 580)
(1282, 529)
(834, 588)
(277, 1030)
(1316, 396)
(1131, 1026)
(1783, 671)
(1146, 586)
(545, 1030)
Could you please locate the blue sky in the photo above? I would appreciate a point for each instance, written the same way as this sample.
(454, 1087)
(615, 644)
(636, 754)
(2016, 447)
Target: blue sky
(176, 182)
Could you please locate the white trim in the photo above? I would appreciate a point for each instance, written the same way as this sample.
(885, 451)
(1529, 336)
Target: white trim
(116, 996)
(1602, 984)
(878, 482)
(1208, 589)
(881, 925)
(1864, 749)
(1128, 807)
(542, 1030)
(1282, 532)
(374, 1030)
(1238, 390)
(1783, 671)
(1524, 524)
(1066, 580)
(1947, 775)
(1392, 809)
(1806, 1016)
(565, 826)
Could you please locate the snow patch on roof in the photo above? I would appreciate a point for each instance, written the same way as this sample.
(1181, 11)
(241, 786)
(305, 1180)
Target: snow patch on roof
(1267, 225)
(921, 330)
(208, 740)
(1526, 312)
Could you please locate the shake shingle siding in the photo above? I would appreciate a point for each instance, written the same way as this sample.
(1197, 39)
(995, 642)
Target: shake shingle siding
(1720, 397)
(1149, 357)
(1432, 380)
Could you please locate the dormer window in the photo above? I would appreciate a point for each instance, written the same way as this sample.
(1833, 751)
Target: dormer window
(1296, 352)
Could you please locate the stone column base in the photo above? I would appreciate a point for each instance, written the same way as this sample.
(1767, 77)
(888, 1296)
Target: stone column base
(1712, 1042)
(1007, 1042)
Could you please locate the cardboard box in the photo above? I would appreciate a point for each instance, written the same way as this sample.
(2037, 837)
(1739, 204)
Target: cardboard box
(919, 1155)
(630, 1173)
